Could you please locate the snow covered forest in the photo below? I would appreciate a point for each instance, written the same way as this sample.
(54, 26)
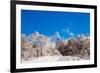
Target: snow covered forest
(37, 47)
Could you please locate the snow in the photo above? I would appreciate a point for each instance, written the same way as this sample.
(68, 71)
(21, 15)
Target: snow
(52, 59)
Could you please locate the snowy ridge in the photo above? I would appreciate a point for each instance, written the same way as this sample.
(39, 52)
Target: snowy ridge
(37, 46)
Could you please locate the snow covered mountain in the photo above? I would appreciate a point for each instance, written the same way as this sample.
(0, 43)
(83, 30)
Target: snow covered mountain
(37, 45)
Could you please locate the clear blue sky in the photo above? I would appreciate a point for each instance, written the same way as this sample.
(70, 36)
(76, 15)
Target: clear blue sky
(49, 22)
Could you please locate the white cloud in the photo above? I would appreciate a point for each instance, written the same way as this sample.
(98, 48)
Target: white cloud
(71, 34)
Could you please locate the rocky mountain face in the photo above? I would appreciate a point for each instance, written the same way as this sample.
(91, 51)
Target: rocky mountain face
(75, 47)
(37, 45)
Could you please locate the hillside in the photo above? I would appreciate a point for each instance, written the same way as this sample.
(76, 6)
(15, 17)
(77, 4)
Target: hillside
(36, 47)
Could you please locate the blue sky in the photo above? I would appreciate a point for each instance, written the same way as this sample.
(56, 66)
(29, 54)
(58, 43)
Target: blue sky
(48, 22)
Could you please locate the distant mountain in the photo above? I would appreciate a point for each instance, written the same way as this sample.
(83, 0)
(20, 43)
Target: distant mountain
(56, 37)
